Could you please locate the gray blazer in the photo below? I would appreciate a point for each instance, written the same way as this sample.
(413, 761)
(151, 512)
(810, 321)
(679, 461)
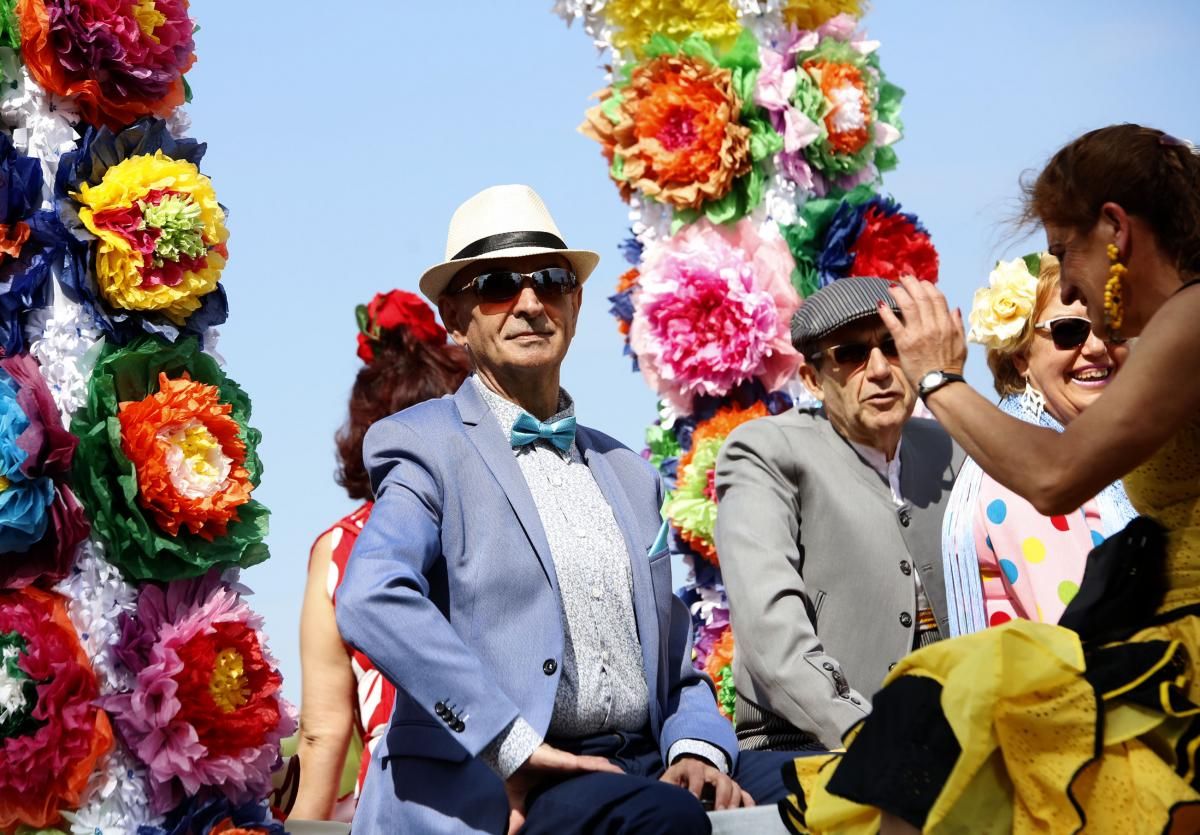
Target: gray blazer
(817, 562)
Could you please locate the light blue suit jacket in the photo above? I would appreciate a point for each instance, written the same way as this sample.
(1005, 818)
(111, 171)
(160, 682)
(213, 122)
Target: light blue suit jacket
(451, 592)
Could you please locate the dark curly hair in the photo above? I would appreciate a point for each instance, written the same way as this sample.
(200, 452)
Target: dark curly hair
(404, 372)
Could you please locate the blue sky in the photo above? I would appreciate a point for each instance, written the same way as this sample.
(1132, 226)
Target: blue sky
(342, 143)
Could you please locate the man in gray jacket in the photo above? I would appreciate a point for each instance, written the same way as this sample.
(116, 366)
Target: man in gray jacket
(829, 530)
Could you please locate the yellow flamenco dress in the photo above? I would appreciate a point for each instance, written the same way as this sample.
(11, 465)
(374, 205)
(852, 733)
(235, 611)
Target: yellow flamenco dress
(1024, 728)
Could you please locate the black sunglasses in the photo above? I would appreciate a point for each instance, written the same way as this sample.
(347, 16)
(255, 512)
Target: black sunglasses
(856, 354)
(504, 285)
(1068, 332)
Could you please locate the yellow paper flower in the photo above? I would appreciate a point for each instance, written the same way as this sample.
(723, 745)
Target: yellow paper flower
(161, 235)
(809, 14)
(636, 21)
(1001, 310)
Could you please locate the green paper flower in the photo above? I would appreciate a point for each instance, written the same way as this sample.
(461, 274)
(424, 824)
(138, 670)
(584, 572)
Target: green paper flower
(845, 93)
(165, 466)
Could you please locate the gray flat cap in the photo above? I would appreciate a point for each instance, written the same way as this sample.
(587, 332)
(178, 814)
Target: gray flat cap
(844, 301)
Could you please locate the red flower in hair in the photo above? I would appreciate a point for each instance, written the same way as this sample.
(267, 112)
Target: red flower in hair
(393, 310)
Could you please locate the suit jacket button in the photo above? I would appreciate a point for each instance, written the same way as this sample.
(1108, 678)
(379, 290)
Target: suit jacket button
(457, 726)
(550, 667)
(891, 666)
(905, 619)
(905, 568)
(904, 520)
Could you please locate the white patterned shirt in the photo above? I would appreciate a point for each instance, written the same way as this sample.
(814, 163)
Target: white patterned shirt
(602, 686)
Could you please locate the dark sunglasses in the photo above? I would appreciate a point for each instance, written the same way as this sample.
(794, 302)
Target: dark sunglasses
(1068, 332)
(503, 285)
(856, 354)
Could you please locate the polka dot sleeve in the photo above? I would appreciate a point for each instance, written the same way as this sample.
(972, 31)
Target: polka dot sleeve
(1030, 564)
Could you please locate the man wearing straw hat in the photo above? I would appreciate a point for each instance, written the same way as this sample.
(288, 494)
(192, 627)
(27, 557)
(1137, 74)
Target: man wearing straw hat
(514, 581)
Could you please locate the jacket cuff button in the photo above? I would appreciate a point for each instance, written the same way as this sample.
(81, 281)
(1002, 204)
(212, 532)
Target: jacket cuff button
(550, 667)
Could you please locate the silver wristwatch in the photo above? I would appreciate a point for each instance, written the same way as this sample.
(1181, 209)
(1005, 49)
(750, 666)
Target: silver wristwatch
(934, 380)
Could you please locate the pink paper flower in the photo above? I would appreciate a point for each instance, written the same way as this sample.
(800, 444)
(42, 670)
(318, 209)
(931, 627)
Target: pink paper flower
(206, 710)
(713, 310)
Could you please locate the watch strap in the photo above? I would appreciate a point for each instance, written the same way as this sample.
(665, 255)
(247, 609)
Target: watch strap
(947, 377)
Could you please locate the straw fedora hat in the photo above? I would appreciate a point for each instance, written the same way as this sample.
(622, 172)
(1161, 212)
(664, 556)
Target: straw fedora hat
(501, 222)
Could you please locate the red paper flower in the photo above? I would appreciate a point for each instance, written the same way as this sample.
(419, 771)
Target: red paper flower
(891, 245)
(53, 733)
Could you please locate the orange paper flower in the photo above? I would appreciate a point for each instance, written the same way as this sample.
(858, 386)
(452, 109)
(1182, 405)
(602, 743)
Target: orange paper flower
(189, 457)
(672, 133)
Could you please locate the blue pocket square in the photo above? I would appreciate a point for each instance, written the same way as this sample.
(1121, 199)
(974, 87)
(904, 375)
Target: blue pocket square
(660, 541)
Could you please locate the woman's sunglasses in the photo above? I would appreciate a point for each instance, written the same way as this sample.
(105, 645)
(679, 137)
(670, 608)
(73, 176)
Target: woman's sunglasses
(1068, 332)
(505, 285)
(856, 354)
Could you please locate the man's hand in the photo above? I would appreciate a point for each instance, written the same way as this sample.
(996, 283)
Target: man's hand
(546, 764)
(693, 774)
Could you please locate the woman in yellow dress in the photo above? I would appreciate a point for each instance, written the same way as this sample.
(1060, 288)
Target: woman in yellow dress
(1032, 727)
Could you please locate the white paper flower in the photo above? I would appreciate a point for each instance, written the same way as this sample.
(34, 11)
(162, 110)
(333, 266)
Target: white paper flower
(117, 801)
(97, 595)
(64, 341)
(42, 126)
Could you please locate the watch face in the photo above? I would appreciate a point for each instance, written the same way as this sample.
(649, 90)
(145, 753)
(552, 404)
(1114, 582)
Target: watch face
(931, 379)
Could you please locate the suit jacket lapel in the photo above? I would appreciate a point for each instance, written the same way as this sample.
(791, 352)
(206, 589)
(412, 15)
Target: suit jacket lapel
(488, 437)
(644, 607)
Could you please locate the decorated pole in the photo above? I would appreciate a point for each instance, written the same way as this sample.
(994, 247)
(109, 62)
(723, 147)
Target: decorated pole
(136, 688)
(750, 139)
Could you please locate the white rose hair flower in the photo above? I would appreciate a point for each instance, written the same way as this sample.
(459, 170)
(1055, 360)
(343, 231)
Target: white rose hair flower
(1001, 311)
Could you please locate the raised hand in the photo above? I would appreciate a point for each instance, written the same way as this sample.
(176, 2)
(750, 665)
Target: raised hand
(928, 335)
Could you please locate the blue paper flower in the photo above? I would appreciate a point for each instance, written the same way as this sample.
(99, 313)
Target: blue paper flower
(199, 816)
(836, 259)
(32, 241)
(631, 250)
(99, 150)
(24, 501)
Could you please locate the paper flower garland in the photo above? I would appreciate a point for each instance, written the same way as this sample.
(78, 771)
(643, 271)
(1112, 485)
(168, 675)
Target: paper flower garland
(167, 462)
(32, 243)
(736, 130)
(692, 506)
(205, 713)
(1000, 312)
(713, 309)
(52, 734)
(861, 234)
(117, 60)
(148, 222)
(41, 522)
(682, 128)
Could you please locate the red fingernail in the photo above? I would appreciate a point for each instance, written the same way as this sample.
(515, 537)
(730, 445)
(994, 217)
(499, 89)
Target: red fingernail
(879, 305)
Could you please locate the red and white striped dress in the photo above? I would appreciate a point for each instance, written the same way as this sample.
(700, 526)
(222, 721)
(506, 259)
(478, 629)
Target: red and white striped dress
(376, 695)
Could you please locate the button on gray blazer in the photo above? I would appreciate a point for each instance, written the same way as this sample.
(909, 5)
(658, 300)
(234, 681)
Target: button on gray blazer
(817, 562)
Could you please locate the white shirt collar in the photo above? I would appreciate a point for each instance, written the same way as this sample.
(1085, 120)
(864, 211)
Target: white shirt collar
(890, 470)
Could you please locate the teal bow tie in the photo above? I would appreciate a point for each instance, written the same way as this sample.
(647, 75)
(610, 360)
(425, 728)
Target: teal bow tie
(528, 429)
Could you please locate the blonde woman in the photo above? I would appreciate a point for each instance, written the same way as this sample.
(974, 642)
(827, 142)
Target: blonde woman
(1003, 559)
